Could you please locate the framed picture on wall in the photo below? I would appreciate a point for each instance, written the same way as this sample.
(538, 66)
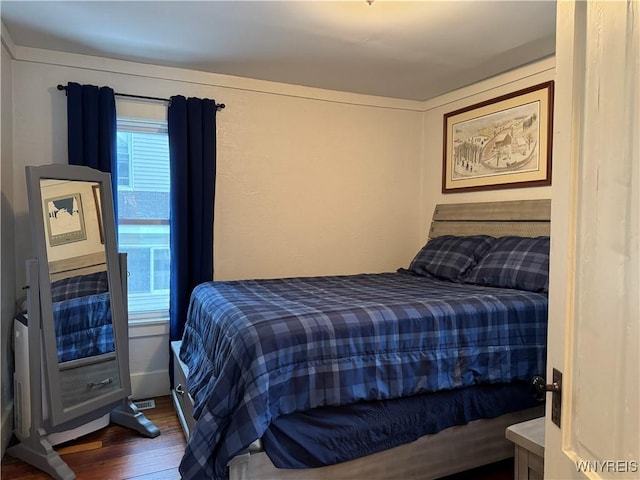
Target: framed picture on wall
(65, 219)
(504, 142)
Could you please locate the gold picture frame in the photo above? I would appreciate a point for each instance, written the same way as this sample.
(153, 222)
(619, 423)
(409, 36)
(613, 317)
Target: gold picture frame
(505, 142)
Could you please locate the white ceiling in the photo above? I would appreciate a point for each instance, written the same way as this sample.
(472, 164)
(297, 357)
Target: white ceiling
(412, 50)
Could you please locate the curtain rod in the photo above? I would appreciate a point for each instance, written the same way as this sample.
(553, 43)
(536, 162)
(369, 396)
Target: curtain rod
(219, 106)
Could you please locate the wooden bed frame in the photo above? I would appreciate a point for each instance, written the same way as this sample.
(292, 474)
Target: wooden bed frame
(432, 456)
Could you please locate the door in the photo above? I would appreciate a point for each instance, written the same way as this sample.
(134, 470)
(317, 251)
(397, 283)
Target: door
(594, 289)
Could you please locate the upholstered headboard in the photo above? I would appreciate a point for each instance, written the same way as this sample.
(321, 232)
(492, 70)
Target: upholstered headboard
(524, 218)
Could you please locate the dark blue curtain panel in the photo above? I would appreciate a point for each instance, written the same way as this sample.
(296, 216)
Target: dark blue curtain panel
(91, 129)
(192, 150)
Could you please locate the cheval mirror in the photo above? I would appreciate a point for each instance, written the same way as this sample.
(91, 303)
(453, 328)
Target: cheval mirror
(76, 306)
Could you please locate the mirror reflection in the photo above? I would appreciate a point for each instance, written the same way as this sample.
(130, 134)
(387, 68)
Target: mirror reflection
(76, 256)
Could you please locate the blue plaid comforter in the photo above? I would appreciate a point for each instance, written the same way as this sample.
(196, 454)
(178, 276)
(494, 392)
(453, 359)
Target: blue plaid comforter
(83, 327)
(258, 349)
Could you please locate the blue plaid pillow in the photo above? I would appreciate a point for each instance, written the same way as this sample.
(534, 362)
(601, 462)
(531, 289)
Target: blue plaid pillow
(449, 257)
(514, 262)
(79, 286)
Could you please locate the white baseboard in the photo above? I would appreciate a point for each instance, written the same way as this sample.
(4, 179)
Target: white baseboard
(6, 428)
(150, 384)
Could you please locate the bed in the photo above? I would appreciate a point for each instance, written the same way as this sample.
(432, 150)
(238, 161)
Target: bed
(340, 376)
(81, 308)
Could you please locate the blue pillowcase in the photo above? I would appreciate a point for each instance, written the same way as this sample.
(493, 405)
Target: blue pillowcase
(514, 262)
(449, 257)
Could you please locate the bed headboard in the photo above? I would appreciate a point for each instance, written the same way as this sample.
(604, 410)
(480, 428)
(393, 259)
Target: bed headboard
(524, 218)
(80, 265)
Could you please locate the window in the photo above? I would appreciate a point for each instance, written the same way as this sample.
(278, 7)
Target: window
(143, 214)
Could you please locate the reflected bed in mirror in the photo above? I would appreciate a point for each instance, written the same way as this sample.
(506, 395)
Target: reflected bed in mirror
(82, 315)
(76, 254)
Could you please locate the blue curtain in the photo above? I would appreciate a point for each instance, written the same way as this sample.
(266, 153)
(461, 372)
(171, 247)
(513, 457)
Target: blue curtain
(192, 150)
(91, 119)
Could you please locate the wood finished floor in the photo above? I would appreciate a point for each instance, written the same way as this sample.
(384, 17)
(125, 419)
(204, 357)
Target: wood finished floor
(117, 453)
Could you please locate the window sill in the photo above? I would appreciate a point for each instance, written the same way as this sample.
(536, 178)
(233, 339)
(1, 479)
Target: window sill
(149, 318)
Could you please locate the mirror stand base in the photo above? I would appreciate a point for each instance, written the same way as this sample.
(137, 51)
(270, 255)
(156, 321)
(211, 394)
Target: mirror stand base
(128, 415)
(37, 451)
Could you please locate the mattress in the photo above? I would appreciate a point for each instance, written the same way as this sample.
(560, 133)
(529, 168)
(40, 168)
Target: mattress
(260, 349)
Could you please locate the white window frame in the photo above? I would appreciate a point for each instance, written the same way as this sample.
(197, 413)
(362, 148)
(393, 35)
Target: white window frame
(129, 164)
(143, 125)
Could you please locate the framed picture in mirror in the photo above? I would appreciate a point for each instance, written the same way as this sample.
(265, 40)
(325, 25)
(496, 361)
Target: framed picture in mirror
(65, 219)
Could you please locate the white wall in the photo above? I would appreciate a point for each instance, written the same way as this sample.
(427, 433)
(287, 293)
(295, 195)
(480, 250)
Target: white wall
(8, 284)
(309, 181)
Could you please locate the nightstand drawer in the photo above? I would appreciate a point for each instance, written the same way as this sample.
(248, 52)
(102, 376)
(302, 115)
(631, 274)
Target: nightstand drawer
(182, 400)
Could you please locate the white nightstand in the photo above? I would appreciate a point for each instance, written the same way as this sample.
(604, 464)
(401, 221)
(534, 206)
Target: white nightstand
(528, 438)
